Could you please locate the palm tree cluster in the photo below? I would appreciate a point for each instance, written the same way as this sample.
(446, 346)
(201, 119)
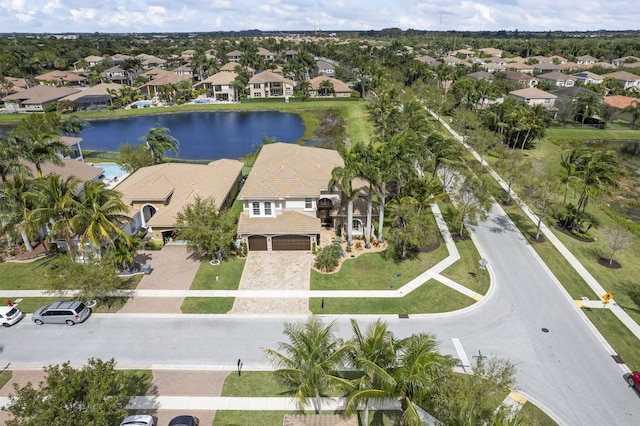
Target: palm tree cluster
(400, 166)
(594, 172)
(410, 370)
(48, 207)
(518, 124)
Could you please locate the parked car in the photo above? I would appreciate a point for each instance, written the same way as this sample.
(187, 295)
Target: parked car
(10, 315)
(62, 312)
(634, 380)
(184, 421)
(138, 420)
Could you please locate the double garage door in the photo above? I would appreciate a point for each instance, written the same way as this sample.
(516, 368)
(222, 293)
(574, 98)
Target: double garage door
(281, 242)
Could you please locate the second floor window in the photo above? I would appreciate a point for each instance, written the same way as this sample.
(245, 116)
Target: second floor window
(308, 203)
(256, 209)
(267, 208)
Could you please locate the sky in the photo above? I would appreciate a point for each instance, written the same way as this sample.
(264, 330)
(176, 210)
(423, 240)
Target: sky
(192, 16)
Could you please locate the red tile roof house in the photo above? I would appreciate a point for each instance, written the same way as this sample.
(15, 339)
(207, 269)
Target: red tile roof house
(534, 96)
(620, 103)
(287, 201)
(36, 99)
(61, 78)
(558, 78)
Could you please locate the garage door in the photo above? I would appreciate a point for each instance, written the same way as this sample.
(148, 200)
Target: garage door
(290, 242)
(257, 243)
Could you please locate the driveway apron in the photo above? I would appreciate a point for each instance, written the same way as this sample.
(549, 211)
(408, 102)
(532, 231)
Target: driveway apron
(274, 271)
(172, 268)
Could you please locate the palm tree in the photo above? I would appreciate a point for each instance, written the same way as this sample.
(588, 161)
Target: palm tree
(9, 163)
(15, 209)
(634, 109)
(158, 141)
(377, 347)
(98, 214)
(570, 160)
(310, 360)
(417, 369)
(587, 104)
(55, 199)
(597, 174)
(443, 151)
(343, 176)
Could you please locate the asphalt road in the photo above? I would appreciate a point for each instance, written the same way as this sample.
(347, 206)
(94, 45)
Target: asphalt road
(567, 371)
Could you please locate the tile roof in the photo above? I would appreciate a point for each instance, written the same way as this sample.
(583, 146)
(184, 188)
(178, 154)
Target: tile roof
(67, 76)
(338, 86)
(70, 140)
(41, 94)
(622, 75)
(98, 89)
(285, 223)
(620, 102)
(532, 93)
(285, 170)
(269, 77)
(179, 184)
(555, 76)
(222, 77)
(82, 171)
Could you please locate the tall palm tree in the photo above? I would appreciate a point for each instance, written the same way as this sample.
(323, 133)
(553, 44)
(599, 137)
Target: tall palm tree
(15, 209)
(443, 151)
(587, 104)
(158, 141)
(377, 347)
(310, 360)
(98, 214)
(55, 200)
(342, 177)
(634, 109)
(570, 159)
(598, 173)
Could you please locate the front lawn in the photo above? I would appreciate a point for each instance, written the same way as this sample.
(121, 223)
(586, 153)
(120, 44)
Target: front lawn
(224, 276)
(376, 271)
(207, 305)
(430, 297)
(23, 276)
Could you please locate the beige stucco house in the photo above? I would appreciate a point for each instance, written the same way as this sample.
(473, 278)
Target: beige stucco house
(268, 84)
(534, 96)
(286, 199)
(37, 98)
(156, 194)
(339, 89)
(219, 86)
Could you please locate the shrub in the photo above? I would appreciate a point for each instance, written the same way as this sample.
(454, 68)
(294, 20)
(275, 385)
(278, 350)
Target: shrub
(328, 258)
(153, 245)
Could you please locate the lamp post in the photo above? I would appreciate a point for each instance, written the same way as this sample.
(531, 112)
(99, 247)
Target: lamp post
(483, 265)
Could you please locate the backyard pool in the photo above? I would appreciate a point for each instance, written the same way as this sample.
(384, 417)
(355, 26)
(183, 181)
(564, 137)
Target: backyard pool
(113, 173)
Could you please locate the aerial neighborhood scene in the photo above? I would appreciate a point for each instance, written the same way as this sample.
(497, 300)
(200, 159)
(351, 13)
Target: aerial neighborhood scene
(285, 213)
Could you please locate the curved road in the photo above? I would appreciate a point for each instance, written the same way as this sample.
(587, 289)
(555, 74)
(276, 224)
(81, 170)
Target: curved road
(568, 371)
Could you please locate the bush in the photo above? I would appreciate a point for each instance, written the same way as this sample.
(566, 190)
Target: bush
(328, 257)
(153, 245)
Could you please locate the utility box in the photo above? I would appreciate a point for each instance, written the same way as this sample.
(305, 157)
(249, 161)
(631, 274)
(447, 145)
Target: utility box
(146, 269)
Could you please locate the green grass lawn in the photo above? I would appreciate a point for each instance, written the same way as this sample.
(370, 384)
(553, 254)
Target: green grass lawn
(588, 132)
(253, 384)
(228, 272)
(240, 418)
(207, 305)
(138, 381)
(376, 271)
(617, 334)
(430, 297)
(23, 276)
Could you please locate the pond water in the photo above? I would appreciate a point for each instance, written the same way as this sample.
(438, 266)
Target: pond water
(202, 135)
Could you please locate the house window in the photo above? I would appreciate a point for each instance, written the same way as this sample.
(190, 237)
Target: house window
(308, 204)
(256, 86)
(256, 209)
(257, 94)
(267, 208)
(356, 225)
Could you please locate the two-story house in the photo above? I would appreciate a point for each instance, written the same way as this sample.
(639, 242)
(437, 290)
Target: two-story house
(629, 80)
(268, 84)
(557, 78)
(219, 86)
(286, 199)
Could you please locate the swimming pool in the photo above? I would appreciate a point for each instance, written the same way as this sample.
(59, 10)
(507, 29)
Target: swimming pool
(141, 104)
(204, 101)
(113, 173)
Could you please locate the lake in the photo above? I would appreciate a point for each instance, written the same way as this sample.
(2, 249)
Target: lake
(202, 135)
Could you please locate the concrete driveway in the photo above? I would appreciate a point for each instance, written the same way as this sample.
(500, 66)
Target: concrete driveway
(172, 268)
(275, 270)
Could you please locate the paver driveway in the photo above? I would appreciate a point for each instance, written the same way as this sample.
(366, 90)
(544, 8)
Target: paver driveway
(275, 271)
(172, 268)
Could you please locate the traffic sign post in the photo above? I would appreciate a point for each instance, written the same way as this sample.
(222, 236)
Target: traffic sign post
(606, 298)
(483, 265)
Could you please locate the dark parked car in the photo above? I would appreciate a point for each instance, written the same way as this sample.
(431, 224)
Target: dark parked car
(184, 421)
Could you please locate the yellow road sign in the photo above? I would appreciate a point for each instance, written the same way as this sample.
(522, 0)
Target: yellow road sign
(608, 296)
